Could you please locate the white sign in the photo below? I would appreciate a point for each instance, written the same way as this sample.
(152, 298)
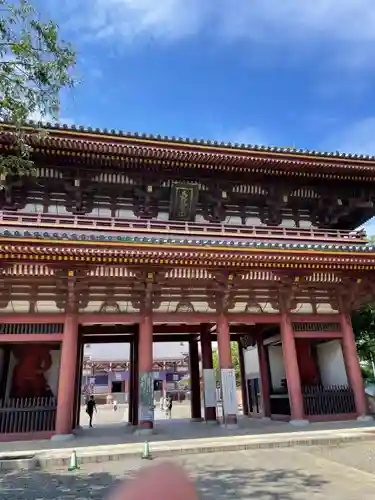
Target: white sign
(209, 381)
(228, 387)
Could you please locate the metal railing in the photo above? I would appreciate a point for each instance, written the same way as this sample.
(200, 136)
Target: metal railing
(27, 415)
(79, 222)
(331, 400)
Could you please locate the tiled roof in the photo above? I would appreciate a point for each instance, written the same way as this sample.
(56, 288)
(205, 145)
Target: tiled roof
(171, 242)
(214, 144)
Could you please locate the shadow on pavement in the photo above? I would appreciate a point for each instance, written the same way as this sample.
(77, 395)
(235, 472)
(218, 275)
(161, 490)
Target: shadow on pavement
(45, 485)
(260, 484)
(212, 484)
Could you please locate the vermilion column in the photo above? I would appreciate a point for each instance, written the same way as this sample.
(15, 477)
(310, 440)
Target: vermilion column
(146, 381)
(130, 384)
(78, 388)
(352, 365)
(292, 371)
(264, 377)
(228, 379)
(67, 378)
(209, 378)
(135, 398)
(195, 385)
(245, 402)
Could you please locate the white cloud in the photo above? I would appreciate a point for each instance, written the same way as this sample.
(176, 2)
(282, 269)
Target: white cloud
(344, 20)
(359, 138)
(268, 21)
(38, 117)
(247, 135)
(128, 19)
(369, 227)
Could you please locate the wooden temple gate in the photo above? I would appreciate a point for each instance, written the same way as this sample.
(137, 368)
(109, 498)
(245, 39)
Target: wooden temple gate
(150, 239)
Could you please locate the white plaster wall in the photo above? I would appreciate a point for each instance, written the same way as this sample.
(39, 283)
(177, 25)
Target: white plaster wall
(277, 367)
(52, 375)
(101, 389)
(331, 363)
(251, 362)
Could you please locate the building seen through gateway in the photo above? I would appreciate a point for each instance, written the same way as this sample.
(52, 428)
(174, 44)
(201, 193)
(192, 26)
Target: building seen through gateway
(140, 239)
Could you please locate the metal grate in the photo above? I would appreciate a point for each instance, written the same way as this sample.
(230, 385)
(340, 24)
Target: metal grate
(332, 400)
(27, 415)
(316, 327)
(31, 328)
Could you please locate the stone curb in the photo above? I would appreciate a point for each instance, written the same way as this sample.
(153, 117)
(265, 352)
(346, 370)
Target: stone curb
(45, 462)
(19, 462)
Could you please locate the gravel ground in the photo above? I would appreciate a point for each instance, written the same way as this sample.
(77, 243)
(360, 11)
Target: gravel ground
(340, 473)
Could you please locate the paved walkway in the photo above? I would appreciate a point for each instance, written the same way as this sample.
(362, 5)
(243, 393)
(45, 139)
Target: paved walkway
(182, 436)
(341, 473)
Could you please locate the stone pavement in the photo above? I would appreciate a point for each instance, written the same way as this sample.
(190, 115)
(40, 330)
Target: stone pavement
(315, 473)
(177, 436)
(112, 439)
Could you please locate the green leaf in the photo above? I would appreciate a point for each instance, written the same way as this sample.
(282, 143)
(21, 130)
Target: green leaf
(35, 65)
(235, 362)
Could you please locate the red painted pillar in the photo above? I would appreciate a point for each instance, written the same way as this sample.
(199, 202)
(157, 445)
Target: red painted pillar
(227, 375)
(78, 389)
(241, 359)
(67, 377)
(292, 372)
(135, 398)
(352, 365)
(264, 378)
(195, 385)
(146, 380)
(130, 384)
(209, 377)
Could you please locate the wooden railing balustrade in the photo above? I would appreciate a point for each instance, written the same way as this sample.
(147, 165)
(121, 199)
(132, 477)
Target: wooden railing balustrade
(166, 228)
(27, 415)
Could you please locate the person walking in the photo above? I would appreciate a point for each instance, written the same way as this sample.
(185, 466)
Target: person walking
(90, 408)
(168, 407)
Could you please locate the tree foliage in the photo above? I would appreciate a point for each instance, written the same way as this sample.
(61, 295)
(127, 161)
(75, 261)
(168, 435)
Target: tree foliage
(34, 66)
(235, 361)
(363, 322)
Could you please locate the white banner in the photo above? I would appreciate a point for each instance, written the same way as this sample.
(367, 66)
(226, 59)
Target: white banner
(228, 387)
(209, 381)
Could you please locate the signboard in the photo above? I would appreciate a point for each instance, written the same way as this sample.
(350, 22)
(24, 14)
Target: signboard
(146, 396)
(228, 387)
(183, 204)
(209, 381)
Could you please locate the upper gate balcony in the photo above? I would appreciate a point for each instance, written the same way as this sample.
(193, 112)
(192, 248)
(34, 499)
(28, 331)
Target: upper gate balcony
(29, 224)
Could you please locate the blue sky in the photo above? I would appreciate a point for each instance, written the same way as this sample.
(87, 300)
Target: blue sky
(278, 72)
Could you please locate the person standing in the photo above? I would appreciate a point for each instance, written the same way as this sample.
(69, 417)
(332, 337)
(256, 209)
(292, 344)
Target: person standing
(90, 408)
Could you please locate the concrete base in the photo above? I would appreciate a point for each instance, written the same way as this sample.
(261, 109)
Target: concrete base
(63, 437)
(229, 426)
(144, 432)
(365, 418)
(196, 419)
(299, 423)
(212, 422)
(266, 419)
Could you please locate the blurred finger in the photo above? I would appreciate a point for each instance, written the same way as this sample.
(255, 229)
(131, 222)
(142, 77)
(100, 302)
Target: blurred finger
(161, 482)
